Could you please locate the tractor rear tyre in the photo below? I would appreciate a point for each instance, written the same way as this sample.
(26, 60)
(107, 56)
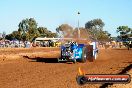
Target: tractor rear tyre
(84, 55)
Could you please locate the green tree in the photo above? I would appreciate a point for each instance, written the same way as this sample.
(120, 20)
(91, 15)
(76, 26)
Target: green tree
(95, 27)
(44, 32)
(104, 36)
(13, 35)
(124, 32)
(9, 37)
(28, 29)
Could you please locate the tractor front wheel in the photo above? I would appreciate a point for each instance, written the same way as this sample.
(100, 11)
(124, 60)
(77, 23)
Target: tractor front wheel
(74, 61)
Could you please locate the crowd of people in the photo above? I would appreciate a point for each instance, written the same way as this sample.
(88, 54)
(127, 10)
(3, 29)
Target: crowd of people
(27, 44)
(14, 44)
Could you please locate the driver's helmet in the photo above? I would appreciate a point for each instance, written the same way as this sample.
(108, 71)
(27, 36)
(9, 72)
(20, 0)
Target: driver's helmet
(74, 43)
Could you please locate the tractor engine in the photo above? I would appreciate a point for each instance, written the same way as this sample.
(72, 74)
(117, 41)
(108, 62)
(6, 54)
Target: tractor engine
(67, 50)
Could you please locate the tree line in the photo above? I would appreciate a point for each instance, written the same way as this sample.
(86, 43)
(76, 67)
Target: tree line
(93, 28)
(28, 30)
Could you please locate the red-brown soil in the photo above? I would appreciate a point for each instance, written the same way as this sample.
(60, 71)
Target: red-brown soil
(19, 72)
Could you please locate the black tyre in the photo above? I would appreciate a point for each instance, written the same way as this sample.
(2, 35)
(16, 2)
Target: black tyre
(74, 61)
(93, 57)
(84, 55)
(90, 53)
(58, 60)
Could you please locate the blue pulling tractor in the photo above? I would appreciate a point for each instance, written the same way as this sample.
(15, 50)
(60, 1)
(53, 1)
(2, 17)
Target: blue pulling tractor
(74, 52)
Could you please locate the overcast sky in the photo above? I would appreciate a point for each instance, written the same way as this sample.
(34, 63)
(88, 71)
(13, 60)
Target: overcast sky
(52, 13)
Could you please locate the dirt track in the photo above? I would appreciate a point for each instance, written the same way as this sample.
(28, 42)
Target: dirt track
(18, 53)
(24, 73)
